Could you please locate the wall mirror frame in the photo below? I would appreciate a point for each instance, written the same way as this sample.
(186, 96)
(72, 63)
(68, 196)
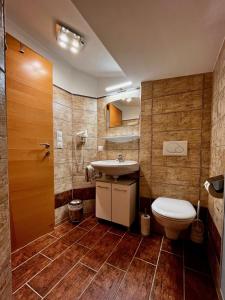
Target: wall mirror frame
(123, 109)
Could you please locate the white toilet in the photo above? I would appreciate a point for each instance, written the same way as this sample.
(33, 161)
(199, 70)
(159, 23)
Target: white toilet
(174, 215)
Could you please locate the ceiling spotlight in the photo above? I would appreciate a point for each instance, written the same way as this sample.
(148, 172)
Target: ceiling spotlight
(62, 44)
(63, 37)
(118, 86)
(67, 38)
(74, 50)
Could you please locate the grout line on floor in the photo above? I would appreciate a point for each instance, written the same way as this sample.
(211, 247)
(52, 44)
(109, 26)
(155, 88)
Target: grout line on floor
(115, 267)
(184, 295)
(97, 272)
(153, 280)
(88, 267)
(125, 273)
(27, 261)
(145, 261)
(40, 251)
(172, 253)
(196, 271)
(33, 290)
(30, 243)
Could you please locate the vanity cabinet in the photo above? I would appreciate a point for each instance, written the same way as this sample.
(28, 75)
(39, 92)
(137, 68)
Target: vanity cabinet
(116, 201)
(103, 200)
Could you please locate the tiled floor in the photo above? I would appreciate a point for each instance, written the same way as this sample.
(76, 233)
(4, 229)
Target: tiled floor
(98, 261)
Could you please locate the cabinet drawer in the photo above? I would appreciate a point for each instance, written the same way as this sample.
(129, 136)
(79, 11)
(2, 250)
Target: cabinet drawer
(103, 201)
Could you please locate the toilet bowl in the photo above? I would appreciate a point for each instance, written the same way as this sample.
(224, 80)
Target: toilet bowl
(174, 215)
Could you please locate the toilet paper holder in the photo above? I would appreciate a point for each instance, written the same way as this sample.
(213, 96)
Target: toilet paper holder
(215, 186)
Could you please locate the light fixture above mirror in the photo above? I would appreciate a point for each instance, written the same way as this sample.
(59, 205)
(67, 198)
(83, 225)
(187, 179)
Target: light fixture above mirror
(69, 39)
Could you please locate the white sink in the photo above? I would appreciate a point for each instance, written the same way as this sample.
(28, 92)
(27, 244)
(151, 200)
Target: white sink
(115, 168)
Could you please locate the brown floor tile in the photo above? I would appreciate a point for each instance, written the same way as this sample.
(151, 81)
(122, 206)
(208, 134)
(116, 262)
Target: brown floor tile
(63, 243)
(199, 286)
(195, 257)
(27, 270)
(97, 256)
(137, 281)
(149, 248)
(73, 284)
(118, 229)
(105, 284)
(91, 237)
(63, 229)
(31, 249)
(89, 223)
(25, 293)
(124, 252)
(168, 283)
(173, 246)
(47, 278)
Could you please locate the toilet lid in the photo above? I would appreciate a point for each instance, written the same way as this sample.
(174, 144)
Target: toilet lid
(174, 208)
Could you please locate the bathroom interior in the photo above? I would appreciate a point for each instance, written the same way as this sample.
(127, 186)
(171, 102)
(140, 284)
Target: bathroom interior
(112, 149)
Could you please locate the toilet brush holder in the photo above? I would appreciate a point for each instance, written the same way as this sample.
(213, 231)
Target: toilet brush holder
(197, 228)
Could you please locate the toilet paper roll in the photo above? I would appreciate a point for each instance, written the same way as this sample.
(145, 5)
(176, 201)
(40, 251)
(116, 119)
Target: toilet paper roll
(145, 225)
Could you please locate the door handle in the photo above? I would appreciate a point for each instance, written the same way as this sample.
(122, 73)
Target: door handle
(46, 145)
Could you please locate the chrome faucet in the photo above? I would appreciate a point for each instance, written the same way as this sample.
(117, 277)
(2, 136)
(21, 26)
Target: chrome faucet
(120, 158)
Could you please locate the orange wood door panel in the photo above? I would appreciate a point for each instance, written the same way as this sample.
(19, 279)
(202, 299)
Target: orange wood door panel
(115, 116)
(30, 123)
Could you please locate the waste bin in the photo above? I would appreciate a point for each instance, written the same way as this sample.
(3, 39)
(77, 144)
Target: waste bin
(75, 208)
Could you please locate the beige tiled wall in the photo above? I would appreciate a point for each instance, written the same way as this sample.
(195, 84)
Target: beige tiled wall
(62, 111)
(71, 115)
(5, 268)
(175, 109)
(84, 117)
(217, 166)
(130, 150)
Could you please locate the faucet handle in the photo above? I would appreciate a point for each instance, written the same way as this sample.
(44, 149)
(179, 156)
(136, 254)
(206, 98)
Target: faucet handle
(120, 157)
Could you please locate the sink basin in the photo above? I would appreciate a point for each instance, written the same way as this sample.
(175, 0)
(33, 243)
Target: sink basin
(115, 168)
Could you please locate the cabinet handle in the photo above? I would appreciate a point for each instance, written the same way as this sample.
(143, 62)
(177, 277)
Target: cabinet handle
(119, 190)
(102, 187)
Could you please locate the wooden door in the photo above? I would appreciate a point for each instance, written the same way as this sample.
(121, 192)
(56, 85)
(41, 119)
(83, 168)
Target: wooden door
(30, 123)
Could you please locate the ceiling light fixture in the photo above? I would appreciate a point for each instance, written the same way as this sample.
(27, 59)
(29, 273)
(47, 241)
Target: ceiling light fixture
(67, 38)
(118, 86)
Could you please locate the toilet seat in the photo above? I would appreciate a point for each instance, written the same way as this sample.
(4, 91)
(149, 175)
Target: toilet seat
(176, 209)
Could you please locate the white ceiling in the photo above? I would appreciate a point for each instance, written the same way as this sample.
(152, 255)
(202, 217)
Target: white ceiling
(38, 17)
(158, 39)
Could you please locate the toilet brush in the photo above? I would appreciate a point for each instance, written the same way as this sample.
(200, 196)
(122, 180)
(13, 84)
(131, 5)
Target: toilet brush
(197, 228)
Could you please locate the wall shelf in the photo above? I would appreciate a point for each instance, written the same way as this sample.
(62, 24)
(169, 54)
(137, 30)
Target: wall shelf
(121, 138)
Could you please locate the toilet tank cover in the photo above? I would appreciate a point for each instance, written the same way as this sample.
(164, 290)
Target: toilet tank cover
(174, 208)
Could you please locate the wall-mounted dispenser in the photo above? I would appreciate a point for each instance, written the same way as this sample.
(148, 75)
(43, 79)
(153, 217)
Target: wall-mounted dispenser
(82, 136)
(215, 186)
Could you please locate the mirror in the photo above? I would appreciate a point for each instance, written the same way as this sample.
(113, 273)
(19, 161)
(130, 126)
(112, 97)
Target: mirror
(123, 112)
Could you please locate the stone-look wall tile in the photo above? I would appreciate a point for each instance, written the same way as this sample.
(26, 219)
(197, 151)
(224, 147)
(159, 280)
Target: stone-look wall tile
(172, 121)
(62, 97)
(177, 85)
(189, 193)
(63, 184)
(5, 248)
(193, 159)
(61, 213)
(217, 159)
(176, 175)
(179, 109)
(62, 114)
(84, 104)
(146, 90)
(178, 102)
